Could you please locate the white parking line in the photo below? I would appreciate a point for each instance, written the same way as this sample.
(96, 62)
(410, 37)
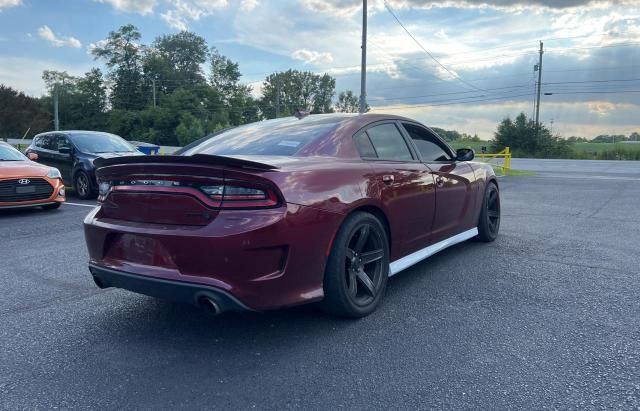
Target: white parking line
(81, 205)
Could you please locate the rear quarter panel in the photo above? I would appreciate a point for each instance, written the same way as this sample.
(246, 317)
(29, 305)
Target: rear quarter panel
(341, 187)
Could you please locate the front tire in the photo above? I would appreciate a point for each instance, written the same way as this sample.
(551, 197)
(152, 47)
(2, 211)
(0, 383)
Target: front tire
(489, 223)
(357, 270)
(82, 185)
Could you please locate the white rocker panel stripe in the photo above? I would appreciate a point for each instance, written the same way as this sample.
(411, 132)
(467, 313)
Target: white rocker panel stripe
(414, 258)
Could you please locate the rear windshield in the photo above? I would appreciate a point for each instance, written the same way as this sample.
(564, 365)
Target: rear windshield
(281, 137)
(101, 143)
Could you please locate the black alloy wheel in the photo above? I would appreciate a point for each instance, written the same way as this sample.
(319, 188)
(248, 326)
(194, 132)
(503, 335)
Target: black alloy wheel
(363, 268)
(358, 267)
(82, 185)
(489, 224)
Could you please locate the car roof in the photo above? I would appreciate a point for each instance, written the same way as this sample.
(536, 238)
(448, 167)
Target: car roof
(72, 132)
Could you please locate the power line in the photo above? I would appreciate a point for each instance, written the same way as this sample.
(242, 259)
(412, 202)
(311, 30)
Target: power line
(594, 81)
(447, 94)
(598, 92)
(390, 10)
(403, 107)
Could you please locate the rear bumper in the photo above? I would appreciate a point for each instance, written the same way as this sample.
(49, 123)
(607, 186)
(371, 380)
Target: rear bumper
(265, 259)
(177, 291)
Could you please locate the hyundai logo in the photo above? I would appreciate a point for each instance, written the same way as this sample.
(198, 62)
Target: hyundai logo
(24, 181)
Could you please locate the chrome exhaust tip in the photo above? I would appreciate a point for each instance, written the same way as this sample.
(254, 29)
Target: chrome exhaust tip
(209, 305)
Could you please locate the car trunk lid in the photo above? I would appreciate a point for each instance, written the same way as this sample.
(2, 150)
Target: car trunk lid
(181, 190)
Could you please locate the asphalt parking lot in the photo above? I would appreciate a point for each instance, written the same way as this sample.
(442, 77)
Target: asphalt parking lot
(548, 316)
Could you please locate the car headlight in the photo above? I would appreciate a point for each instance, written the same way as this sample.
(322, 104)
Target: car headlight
(54, 173)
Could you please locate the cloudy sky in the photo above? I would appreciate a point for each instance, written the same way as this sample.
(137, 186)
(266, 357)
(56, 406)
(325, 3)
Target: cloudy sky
(481, 71)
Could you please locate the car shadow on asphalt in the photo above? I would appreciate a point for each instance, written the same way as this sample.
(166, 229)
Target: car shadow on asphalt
(136, 316)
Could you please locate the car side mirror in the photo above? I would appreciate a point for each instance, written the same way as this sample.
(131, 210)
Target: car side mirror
(64, 150)
(465, 154)
(33, 156)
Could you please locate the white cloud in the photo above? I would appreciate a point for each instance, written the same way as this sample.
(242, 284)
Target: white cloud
(46, 33)
(312, 57)
(5, 4)
(142, 7)
(173, 20)
(183, 11)
(248, 5)
(91, 46)
(342, 8)
(601, 108)
(568, 118)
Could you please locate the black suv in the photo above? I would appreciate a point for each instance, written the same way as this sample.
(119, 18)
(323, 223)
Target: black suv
(73, 152)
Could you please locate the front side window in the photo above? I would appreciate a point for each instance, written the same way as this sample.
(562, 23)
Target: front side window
(388, 143)
(62, 142)
(428, 145)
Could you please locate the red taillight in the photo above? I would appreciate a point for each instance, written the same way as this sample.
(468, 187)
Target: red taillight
(235, 194)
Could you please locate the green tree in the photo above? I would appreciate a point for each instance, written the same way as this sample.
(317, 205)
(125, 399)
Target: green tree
(122, 53)
(297, 89)
(20, 113)
(225, 79)
(349, 103)
(92, 93)
(524, 139)
(175, 61)
(81, 100)
(242, 107)
(189, 129)
(225, 74)
(448, 135)
(61, 80)
(326, 89)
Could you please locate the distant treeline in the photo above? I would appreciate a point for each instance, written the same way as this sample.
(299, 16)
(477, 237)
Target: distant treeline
(160, 92)
(524, 140)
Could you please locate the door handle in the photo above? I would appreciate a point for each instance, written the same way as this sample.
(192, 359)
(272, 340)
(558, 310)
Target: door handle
(439, 181)
(388, 178)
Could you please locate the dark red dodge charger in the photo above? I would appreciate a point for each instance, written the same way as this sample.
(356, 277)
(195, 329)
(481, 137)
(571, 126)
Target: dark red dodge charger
(288, 211)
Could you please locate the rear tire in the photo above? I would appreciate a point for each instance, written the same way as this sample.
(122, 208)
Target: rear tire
(54, 206)
(489, 223)
(357, 270)
(82, 186)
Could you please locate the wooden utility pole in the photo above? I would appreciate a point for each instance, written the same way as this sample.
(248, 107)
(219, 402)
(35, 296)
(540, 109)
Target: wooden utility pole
(539, 88)
(153, 81)
(277, 95)
(56, 120)
(363, 68)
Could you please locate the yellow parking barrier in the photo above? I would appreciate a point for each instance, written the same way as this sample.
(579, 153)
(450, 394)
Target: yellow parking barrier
(504, 154)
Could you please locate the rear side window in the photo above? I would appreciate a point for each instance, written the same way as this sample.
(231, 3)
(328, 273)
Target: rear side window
(388, 143)
(365, 148)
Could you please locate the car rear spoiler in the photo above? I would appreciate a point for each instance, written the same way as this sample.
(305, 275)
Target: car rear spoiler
(194, 159)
